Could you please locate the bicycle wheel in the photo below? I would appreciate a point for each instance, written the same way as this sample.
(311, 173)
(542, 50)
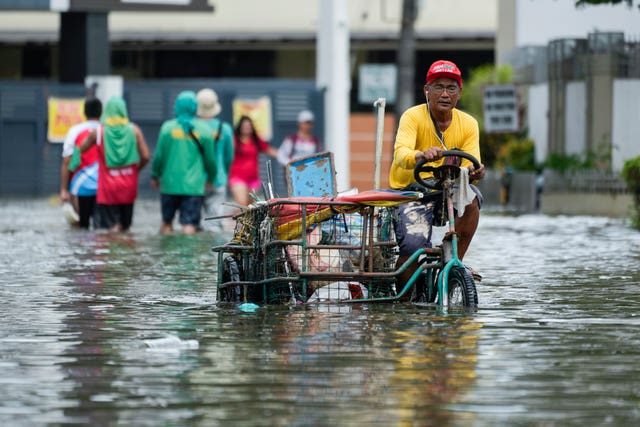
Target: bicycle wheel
(426, 288)
(462, 288)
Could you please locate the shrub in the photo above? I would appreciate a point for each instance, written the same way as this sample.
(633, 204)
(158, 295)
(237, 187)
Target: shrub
(568, 162)
(631, 175)
(518, 154)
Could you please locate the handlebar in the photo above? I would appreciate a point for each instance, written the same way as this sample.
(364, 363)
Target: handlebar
(420, 165)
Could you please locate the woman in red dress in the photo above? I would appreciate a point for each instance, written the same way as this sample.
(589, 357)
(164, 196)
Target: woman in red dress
(245, 172)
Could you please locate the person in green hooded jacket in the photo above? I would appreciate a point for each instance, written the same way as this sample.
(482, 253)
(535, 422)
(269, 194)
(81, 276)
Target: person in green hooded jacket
(122, 153)
(184, 158)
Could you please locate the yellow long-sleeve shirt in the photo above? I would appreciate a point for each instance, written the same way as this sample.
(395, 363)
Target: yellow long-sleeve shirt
(416, 133)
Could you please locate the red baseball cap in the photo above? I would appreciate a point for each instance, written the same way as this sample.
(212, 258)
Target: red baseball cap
(444, 68)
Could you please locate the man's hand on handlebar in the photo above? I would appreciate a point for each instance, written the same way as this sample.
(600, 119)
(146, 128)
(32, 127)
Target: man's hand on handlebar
(431, 154)
(476, 174)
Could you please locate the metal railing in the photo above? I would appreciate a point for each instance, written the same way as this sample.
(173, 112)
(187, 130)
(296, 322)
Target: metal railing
(585, 181)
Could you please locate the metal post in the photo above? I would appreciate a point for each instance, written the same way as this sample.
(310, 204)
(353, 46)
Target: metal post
(380, 104)
(333, 76)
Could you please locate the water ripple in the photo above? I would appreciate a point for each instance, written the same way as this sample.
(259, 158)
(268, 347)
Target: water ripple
(124, 330)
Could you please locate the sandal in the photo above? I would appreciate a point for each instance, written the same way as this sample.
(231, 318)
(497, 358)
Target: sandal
(476, 276)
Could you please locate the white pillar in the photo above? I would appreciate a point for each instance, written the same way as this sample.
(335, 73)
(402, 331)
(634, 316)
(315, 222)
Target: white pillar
(332, 75)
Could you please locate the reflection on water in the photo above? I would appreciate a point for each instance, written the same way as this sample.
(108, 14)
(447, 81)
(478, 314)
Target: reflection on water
(124, 330)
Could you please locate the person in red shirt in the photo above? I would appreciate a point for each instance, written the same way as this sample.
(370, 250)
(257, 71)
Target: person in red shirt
(79, 173)
(122, 152)
(244, 175)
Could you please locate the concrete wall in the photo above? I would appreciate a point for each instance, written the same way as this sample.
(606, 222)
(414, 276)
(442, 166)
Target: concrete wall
(248, 19)
(575, 129)
(490, 186)
(30, 166)
(625, 133)
(538, 120)
(598, 204)
(624, 116)
(519, 196)
(552, 201)
(522, 196)
(600, 104)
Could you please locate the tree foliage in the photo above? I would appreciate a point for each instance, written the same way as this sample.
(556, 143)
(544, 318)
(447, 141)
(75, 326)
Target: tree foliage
(517, 154)
(631, 175)
(471, 102)
(473, 90)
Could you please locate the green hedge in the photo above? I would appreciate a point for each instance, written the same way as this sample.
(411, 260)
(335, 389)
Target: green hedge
(631, 175)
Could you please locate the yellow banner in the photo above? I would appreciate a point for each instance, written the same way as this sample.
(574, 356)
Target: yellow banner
(64, 113)
(259, 110)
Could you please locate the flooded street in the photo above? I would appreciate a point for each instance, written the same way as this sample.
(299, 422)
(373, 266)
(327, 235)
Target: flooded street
(124, 330)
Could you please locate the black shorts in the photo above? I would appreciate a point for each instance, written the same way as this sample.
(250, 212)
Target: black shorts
(189, 207)
(111, 215)
(413, 221)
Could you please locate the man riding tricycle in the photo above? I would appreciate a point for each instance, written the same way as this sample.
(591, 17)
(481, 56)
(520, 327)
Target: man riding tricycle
(373, 246)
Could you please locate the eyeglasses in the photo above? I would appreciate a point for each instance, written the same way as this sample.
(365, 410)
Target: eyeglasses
(438, 89)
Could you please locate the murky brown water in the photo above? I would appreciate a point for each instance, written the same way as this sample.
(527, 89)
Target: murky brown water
(101, 330)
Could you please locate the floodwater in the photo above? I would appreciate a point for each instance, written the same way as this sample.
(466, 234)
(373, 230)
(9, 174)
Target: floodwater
(124, 331)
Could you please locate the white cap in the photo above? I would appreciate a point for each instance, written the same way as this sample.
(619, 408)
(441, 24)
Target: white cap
(208, 104)
(305, 116)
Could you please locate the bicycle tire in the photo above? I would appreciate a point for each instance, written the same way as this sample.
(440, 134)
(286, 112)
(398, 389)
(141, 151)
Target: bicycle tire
(462, 288)
(231, 272)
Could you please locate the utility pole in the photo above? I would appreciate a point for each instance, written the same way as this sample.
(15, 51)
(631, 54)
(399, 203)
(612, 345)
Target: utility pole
(406, 57)
(332, 76)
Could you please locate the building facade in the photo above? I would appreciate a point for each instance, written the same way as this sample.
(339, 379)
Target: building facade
(247, 39)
